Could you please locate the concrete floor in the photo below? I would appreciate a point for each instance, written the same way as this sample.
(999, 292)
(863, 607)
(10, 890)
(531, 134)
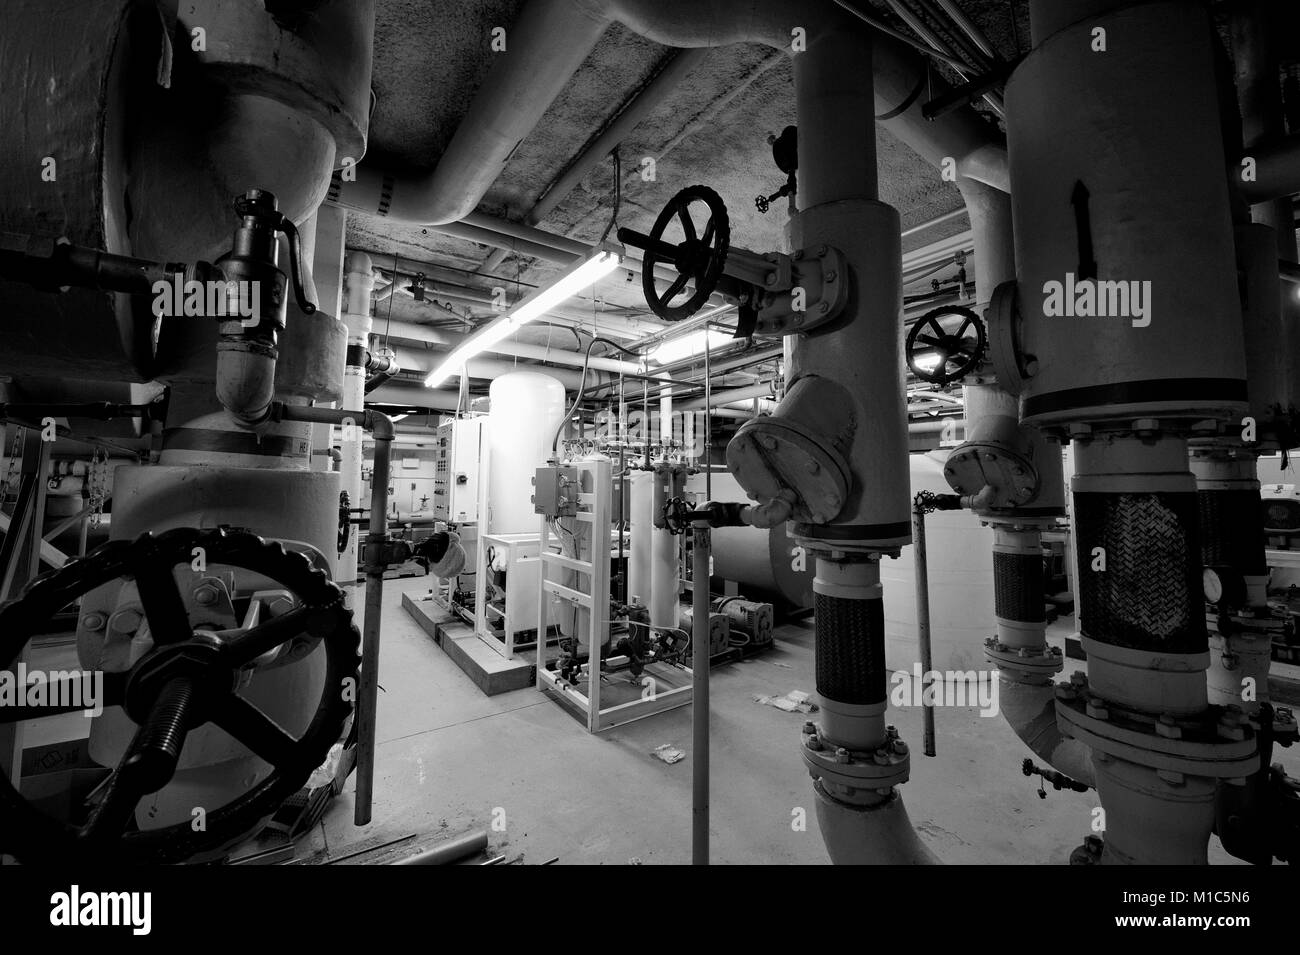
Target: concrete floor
(451, 760)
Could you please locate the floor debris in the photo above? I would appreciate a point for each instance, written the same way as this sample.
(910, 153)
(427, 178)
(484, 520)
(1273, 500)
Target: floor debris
(796, 701)
(668, 753)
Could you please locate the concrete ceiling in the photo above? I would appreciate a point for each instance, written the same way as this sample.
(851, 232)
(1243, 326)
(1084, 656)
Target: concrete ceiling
(713, 129)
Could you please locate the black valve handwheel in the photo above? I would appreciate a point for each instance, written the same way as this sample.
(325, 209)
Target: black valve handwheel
(676, 515)
(699, 258)
(952, 333)
(188, 679)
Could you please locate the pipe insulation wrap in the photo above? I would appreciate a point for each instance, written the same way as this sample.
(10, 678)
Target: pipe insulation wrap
(1232, 530)
(851, 664)
(1018, 587)
(1137, 157)
(1148, 596)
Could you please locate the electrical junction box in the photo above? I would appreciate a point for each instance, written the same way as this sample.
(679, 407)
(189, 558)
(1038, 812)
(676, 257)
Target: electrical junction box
(555, 492)
(458, 450)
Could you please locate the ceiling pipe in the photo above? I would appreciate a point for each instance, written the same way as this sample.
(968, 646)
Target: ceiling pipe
(442, 283)
(439, 399)
(727, 397)
(545, 46)
(552, 38)
(421, 361)
(679, 65)
(423, 334)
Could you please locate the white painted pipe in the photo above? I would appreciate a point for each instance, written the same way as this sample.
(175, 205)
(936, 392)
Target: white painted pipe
(664, 577)
(424, 334)
(641, 524)
(358, 283)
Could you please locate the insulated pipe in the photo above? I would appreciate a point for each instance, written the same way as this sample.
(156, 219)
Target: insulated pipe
(701, 537)
(1259, 97)
(358, 283)
(900, 77)
(729, 396)
(425, 334)
(1242, 632)
(380, 427)
(1026, 665)
(679, 65)
(552, 38)
(1143, 629)
(543, 49)
(422, 361)
(664, 573)
(641, 529)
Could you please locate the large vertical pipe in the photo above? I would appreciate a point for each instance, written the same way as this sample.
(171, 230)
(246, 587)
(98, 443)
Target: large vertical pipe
(922, 571)
(359, 282)
(368, 695)
(1099, 189)
(701, 546)
(1019, 649)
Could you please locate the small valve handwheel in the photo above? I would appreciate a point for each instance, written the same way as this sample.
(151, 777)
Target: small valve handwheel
(189, 678)
(945, 344)
(699, 258)
(677, 515)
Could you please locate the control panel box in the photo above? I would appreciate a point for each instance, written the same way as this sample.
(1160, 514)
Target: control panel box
(456, 470)
(555, 492)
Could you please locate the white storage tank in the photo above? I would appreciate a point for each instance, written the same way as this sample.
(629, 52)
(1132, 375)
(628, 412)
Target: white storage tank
(526, 409)
(960, 557)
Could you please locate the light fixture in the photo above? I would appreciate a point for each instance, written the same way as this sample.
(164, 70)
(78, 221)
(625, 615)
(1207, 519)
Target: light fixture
(688, 346)
(604, 259)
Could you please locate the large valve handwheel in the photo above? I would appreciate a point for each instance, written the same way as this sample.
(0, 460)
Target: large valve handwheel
(945, 344)
(699, 258)
(190, 677)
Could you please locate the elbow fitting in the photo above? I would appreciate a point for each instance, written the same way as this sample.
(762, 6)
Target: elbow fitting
(246, 380)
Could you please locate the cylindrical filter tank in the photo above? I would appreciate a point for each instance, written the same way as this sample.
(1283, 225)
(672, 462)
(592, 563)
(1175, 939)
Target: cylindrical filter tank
(527, 408)
(642, 527)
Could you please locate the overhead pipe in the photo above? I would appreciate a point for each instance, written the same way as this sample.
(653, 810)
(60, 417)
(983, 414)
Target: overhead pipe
(422, 361)
(444, 283)
(424, 334)
(552, 38)
(679, 65)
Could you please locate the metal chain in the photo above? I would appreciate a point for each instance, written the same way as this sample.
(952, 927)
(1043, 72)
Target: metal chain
(97, 484)
(12, 471)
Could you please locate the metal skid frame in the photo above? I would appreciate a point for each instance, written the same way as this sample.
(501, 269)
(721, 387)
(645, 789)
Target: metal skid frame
(594, 508)
(519, 555)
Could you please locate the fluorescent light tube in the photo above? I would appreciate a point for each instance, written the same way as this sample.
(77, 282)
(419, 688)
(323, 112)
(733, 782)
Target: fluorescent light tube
(587, 272)
(676, 349)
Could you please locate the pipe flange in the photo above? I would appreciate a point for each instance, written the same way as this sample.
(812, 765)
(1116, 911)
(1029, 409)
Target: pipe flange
(1218, 744)
(979, 464)
(847, 773)
(1241, 627)
(770, 455)
(1045, 660)
(1011, 365)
